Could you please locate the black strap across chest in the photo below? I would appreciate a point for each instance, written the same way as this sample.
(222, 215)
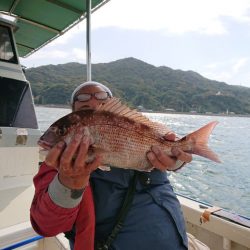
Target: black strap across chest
(104, 245)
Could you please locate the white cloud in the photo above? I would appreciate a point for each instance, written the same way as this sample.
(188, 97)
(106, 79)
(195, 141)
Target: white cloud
(54, 56)
(212, 66)
(240, 63)
(229, 71)
(67, 36)
(44, 56)
(51, 54)
(173, 16)
(223, 76)
(79, 55)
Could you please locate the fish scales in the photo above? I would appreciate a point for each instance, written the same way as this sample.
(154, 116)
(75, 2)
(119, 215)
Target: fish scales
(122, 147)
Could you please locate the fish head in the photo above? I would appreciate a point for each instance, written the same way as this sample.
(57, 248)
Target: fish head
(52, 136)
(62, 129)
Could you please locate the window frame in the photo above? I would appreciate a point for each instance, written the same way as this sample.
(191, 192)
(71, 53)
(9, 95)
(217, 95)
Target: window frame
(14, 59)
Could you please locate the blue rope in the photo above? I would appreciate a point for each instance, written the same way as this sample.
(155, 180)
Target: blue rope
(22, 243)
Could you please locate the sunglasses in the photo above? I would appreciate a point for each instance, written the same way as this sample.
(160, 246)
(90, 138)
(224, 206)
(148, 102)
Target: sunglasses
(86, 97)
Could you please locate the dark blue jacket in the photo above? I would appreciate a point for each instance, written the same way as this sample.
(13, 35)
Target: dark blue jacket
(154, 221)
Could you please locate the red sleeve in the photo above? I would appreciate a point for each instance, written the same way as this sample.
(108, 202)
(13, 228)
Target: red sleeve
(47, 218)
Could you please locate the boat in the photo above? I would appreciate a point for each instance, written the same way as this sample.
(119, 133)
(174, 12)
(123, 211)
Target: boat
(25, 27)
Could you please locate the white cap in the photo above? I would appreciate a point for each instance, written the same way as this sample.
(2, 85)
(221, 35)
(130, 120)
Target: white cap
(89, 83)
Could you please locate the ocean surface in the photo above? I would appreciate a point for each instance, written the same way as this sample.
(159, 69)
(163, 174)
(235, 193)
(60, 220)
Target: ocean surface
(226, 184)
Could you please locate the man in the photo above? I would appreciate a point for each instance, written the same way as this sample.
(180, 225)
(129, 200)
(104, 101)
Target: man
(63, 199)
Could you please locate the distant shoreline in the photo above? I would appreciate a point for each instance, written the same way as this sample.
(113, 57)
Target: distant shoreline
(187, 113)
(160, 112)
(63, 106)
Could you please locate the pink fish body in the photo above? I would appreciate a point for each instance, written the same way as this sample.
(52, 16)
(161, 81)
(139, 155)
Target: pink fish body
(123, 136)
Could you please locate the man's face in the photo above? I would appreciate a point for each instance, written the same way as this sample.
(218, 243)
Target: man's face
(95, 91)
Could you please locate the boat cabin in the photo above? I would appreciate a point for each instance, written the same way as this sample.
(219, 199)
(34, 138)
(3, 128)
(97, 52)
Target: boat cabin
(18, 133)
(16, 103)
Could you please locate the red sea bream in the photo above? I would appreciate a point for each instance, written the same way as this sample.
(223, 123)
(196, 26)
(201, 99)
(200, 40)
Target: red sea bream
(123, 136)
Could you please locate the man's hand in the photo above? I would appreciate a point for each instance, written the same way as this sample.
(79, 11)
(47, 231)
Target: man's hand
(70, 160)
(162, 161)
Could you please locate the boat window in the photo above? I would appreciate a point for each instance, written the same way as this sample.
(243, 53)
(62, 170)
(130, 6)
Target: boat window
(7, 50)
(11, 95)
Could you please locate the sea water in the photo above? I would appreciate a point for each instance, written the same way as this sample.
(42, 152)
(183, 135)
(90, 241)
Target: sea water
(225, 184)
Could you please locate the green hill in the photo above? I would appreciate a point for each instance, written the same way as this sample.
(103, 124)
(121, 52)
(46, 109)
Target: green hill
(139, 83)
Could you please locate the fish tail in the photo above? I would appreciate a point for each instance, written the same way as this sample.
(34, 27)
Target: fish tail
(199, 139)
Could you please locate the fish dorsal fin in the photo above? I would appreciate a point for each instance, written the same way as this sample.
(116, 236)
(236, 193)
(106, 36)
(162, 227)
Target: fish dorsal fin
(115, 106)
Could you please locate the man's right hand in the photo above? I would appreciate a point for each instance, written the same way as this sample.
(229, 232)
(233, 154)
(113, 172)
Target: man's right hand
(70, 159)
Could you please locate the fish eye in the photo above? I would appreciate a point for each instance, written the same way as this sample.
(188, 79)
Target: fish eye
(62, 131)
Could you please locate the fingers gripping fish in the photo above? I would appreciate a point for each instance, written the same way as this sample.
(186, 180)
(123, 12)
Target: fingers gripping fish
(123, 136)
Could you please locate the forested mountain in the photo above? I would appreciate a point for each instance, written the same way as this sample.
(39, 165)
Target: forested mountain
(139, 83)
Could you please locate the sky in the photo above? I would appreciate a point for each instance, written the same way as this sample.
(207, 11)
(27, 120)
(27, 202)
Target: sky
(210, 37)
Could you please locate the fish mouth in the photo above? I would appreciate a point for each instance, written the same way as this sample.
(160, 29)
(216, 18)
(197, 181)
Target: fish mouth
(44, 144)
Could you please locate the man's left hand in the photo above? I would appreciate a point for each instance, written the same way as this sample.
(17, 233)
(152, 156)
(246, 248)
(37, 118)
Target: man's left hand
(162, 161)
